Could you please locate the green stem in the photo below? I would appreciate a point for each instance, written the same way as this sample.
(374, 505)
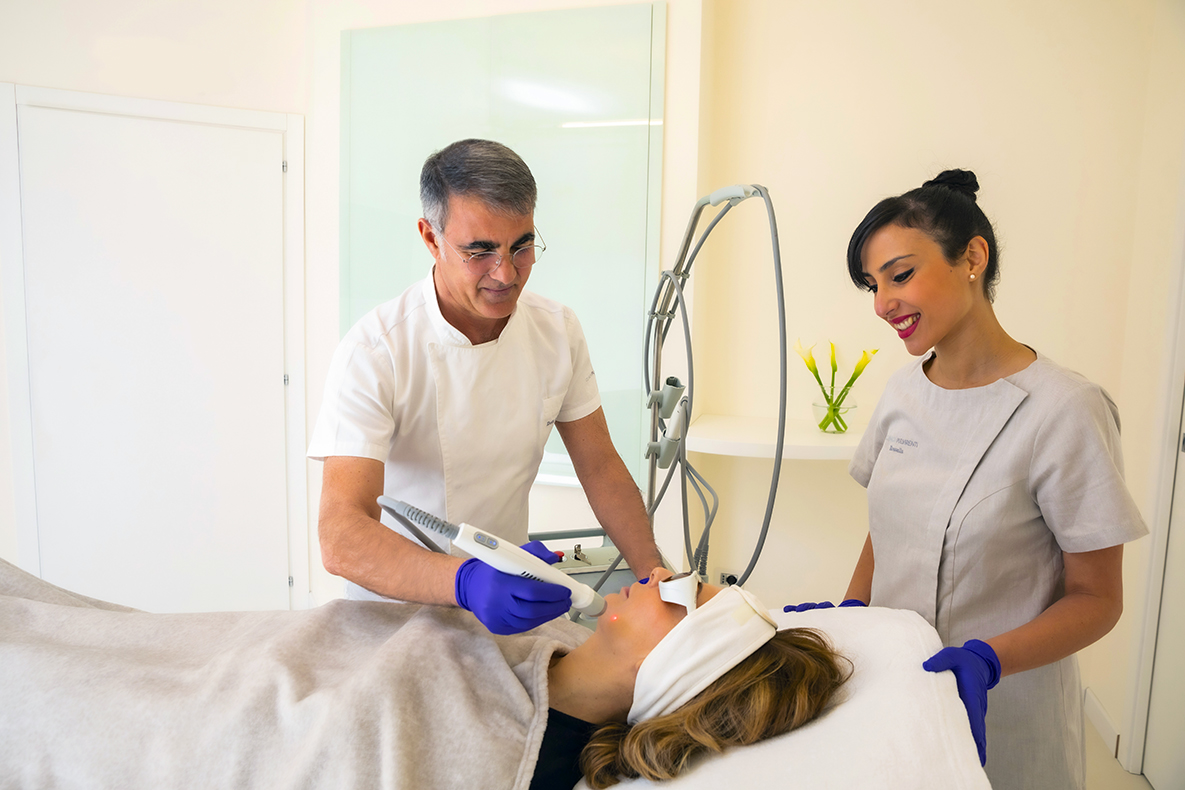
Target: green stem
(839, 421)
(833, 416)
(844, 392)
(832, 372)
(822, 389)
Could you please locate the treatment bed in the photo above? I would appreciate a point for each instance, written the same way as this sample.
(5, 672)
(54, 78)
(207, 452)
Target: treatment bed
(380, 695)
(894, 726)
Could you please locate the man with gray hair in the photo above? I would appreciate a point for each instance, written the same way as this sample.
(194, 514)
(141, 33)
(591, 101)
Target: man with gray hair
(444, 398)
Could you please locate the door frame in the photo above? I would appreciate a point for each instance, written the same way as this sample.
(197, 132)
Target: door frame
(1170, 427)
(12, 284)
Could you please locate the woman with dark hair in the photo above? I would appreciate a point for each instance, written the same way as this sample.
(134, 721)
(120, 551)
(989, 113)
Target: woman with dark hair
(997, 506)
(365, 694)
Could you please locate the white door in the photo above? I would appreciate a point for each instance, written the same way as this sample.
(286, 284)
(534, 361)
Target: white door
(1164, 757)
(154, 308)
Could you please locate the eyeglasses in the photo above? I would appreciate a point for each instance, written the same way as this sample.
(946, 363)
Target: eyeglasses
(682, 589)
(484, 262)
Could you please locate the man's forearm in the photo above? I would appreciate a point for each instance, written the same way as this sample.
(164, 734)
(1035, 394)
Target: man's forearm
(357, 547)
(615, 499)
(364, 551)
(617, 504)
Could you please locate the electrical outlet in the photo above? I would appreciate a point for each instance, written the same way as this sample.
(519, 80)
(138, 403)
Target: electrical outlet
(728, 578)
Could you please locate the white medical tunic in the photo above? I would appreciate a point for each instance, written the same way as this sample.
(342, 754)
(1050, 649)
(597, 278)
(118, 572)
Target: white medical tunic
(973, 495)
(459, 428)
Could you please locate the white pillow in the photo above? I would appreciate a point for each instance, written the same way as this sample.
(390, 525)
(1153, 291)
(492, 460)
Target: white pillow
(895, 724)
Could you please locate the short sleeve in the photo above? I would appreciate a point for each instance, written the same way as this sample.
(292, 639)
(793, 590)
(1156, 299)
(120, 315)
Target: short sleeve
(356, 417)
(582, 397)
(869, 448)
(865, 455)
(1076, 475)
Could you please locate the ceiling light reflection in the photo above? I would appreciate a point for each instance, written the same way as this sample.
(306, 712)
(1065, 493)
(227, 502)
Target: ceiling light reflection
(594, 124)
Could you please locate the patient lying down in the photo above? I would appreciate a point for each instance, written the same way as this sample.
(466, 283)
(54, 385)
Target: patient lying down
(666, 685)
(372, 694)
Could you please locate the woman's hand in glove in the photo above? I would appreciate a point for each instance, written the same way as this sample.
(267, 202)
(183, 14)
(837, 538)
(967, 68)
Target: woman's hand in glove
(976, 669)
(804, 607)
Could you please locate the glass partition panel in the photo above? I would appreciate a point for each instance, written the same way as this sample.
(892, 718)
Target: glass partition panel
(578, 94)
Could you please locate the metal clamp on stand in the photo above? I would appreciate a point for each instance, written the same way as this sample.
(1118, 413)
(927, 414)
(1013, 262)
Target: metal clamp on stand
(667, 398)
(664, 449)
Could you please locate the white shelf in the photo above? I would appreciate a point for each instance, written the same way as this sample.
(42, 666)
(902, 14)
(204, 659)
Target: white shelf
(754, 437)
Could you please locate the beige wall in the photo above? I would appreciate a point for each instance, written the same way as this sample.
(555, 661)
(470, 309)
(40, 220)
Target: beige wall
(1151, 363)
(1069, 112)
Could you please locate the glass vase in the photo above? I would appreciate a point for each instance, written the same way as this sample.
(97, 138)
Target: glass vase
(831, 418)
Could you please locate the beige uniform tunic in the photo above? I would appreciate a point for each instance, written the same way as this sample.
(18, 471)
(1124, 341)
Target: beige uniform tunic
(973, 495)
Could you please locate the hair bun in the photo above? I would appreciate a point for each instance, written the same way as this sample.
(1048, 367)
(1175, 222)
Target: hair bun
(959, 180)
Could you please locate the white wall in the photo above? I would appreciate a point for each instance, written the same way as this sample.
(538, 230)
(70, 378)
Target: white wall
(248, 54)
(230, 53)
(285, 56)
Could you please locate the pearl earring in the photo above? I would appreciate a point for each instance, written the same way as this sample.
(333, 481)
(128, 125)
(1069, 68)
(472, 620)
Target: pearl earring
(973, 278)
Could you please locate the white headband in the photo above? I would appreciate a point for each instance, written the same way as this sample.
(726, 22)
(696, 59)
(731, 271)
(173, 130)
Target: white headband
(698, 650)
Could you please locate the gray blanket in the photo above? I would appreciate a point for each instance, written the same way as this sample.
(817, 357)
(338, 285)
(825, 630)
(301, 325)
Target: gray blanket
(350, 695)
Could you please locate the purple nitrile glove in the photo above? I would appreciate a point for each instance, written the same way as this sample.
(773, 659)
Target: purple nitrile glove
(537, 548)
(976, 669)
(508, 604)
(805, 607)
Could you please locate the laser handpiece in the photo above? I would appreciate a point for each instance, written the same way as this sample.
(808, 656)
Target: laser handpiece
(499, 554)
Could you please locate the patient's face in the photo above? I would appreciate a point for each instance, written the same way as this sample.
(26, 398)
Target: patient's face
(636, 619)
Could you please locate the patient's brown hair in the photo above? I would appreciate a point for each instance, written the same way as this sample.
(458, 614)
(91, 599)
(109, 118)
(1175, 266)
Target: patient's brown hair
(786, 683)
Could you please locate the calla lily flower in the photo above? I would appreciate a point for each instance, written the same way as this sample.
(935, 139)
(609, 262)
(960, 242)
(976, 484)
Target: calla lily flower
(834, 402)
(865, 358)
(809, 358)
(834, 367)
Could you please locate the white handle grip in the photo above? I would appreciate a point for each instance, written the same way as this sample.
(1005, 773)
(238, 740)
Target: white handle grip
(674, 430)
(504, 556)
(738, 192)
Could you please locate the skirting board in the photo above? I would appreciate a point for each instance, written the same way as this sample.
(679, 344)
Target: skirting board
(1096, 714)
